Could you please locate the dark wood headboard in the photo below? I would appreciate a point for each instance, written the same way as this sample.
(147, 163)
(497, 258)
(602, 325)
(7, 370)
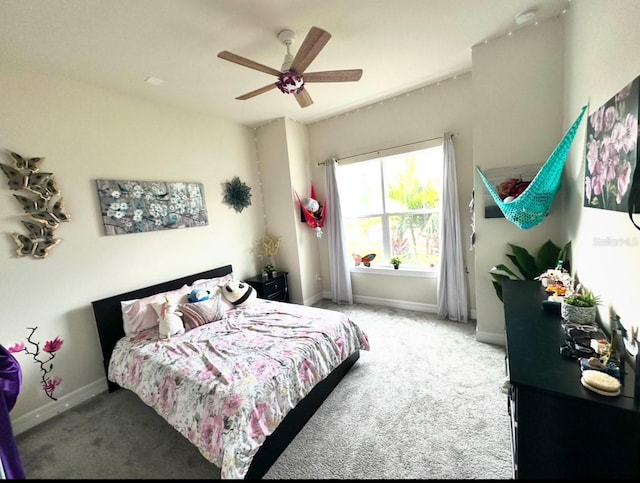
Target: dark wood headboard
(108, 312)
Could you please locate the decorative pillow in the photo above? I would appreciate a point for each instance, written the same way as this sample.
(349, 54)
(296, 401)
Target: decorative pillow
(199, 313)
(140, 314)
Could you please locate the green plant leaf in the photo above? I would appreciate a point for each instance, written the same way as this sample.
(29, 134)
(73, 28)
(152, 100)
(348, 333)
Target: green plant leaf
(530, 267)
(565, 256)
(504, 268)
(547, 256)
(525, 262)
(498, 287)
(499, 277)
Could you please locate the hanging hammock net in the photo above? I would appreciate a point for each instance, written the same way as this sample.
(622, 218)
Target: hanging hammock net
(530, 207)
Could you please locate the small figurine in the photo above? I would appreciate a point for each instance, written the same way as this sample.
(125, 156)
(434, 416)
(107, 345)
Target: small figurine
(170, 321)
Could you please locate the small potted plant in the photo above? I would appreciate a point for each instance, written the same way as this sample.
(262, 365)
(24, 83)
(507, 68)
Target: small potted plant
(396, 261)
(269, 270)
(580, 307)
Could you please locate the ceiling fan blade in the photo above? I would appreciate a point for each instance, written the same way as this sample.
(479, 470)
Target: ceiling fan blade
(313, 43)
(236, 59)
(303, 98)
(333, 76)
(257, 92)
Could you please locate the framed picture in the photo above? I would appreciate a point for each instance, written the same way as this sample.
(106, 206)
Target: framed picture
(508, 181)
(611, 153)
(139, 206)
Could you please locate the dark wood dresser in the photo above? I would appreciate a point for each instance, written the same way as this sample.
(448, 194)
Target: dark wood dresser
(273, 288)
(559, 428)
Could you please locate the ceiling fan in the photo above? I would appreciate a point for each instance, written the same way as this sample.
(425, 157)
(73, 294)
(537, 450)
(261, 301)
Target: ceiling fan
(292, 78)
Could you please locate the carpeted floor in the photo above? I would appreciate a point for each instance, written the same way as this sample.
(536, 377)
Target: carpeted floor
(424, 403)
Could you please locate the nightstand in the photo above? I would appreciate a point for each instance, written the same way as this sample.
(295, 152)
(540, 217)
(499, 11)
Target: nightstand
(274, 288)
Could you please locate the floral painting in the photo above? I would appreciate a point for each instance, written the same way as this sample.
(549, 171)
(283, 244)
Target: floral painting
(612, 152)
(139, 206)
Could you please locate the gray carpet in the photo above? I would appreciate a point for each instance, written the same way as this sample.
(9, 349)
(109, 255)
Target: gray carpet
(424, 403)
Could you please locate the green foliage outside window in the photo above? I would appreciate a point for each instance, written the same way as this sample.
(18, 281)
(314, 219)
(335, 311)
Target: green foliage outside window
(411, 215)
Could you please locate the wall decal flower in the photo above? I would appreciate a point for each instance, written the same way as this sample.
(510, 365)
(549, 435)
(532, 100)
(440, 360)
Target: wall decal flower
(237, 194)
(51, 347)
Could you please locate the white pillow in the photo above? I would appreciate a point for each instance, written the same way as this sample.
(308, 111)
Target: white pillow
(212, 283)
(140, 314)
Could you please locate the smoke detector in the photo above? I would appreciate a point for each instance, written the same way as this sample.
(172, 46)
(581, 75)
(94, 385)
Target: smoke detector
(526, 16)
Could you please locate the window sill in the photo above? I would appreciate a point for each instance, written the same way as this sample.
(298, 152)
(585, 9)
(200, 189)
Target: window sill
(392, 272)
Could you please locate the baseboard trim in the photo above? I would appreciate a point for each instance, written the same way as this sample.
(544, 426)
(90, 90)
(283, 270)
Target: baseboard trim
(44, 413)
(490, 338)
(313, 300)
(398, 304)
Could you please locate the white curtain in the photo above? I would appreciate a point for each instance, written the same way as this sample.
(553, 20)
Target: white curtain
(341, 292)
(452, 284)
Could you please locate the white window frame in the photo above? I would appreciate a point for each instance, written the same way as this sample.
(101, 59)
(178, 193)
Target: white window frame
(388, 269)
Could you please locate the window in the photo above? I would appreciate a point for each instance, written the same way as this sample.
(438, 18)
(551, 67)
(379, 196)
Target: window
(391, 207)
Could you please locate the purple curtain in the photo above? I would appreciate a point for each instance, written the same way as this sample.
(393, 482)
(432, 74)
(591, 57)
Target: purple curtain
(10, 385)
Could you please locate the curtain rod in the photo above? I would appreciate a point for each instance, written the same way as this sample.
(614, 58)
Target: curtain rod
(378, 151)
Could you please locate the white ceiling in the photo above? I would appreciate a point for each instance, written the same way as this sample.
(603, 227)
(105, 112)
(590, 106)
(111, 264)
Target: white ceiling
(116, 44)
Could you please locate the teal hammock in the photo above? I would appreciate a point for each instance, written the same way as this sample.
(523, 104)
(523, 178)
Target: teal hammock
(530, 208)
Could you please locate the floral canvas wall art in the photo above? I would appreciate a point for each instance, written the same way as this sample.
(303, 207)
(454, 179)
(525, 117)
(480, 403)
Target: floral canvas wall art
(612, 151)
(140, 206)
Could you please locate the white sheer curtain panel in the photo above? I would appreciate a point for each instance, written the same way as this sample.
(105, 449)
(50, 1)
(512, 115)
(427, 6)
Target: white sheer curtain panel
(452, 284)
(341, 292)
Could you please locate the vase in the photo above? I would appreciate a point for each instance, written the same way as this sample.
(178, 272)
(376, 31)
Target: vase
(578, 315)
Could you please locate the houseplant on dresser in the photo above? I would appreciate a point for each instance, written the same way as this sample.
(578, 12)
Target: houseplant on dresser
(580, 307)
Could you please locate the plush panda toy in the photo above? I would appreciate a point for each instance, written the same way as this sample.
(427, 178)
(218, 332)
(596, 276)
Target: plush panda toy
(239, 294)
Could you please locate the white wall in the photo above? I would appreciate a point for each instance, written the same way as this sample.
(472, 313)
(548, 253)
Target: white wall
(517, 120)
(601, 56)
(283, 153)
(306, 241)
(87, 134)
(422, 114)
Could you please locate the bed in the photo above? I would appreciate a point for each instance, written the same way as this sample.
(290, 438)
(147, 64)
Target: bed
(240, 387)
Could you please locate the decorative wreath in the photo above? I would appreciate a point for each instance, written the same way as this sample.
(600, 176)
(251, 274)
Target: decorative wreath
(237, 194)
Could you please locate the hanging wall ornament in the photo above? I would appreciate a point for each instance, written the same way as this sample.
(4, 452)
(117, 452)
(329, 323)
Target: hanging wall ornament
(237, 194)
(45, 212)
(313, 212)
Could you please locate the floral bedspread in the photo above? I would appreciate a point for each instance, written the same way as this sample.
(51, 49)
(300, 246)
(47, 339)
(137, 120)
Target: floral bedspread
(228, 384)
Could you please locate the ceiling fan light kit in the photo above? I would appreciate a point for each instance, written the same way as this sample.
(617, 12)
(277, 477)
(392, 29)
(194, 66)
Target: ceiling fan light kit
(291, 75)
(290, 83)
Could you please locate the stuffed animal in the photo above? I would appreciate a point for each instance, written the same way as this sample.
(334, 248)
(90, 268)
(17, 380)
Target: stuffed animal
(170, 321)
(199, 295)
(239, 294)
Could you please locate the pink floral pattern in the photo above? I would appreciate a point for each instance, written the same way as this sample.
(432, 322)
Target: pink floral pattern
(611, 155)
(215, 384)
